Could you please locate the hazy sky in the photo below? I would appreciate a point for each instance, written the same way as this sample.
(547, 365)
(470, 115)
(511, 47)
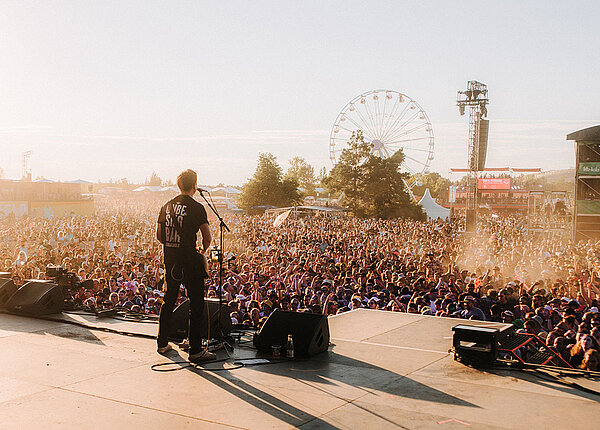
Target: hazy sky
(111, 89)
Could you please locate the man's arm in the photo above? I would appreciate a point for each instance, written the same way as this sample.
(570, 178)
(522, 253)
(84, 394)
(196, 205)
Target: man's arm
(206, 237)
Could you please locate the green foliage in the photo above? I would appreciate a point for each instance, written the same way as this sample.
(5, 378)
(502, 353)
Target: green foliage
(372, 186)
(267, 186)
(551, 181)
(303, 173)
(437, 184)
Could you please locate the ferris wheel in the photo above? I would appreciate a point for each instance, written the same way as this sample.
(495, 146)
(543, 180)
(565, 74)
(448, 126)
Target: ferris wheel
(389, 121)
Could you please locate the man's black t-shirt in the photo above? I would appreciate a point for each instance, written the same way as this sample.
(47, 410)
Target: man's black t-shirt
(189, 215)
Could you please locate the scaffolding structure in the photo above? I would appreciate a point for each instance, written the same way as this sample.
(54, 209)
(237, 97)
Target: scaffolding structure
(475, 98)
(25, 165)
(586, 208)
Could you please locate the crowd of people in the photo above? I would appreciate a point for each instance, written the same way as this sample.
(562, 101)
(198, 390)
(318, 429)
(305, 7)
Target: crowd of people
(548, 286)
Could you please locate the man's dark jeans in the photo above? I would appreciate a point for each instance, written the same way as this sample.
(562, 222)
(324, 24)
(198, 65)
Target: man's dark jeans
(189, 272)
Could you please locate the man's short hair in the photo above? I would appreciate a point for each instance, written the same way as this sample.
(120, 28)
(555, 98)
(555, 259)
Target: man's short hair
(186, 180)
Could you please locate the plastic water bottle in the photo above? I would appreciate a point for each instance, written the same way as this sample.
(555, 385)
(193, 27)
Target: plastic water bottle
(290, 347)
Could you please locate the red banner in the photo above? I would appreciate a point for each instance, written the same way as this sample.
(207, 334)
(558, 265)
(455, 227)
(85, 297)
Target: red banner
(493, 183)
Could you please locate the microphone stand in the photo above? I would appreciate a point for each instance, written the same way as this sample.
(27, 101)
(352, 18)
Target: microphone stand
(222, 226)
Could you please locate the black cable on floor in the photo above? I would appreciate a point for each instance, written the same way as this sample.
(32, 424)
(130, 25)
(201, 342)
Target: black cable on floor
(187, 364)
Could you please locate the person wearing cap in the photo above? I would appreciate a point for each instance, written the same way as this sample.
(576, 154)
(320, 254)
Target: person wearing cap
(266, 307)
(508, 317)
(178, 223)
(355, 302)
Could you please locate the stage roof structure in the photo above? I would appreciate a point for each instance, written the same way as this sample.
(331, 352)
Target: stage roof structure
(590, 133)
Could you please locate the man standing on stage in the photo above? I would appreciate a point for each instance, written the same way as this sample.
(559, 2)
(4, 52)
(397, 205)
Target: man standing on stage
(178, 223)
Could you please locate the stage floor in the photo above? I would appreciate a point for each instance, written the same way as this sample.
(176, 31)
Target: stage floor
(383, 370)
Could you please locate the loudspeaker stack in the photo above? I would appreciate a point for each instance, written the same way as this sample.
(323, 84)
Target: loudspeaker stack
(36, 298)
(310, 332)
(7, 289)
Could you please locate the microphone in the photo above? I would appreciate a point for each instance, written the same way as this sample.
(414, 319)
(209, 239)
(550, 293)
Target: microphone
(202, 190)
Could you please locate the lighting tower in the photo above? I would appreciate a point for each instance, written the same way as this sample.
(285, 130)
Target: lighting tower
(26, 170)
(475, 97)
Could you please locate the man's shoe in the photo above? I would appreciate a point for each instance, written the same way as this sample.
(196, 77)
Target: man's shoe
(164, 349)
(184, 345)
(202, 356)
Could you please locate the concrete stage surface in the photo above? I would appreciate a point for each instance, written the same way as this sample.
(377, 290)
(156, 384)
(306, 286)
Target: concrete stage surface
(383, 370)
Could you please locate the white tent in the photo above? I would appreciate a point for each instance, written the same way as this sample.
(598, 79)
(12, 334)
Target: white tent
(78, 181)
(227, 190)
(431, 208)
(151, 188)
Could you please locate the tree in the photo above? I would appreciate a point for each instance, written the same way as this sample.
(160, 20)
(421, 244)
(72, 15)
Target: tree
(154, 180)
(437, 184)
(267, 186)
(322, 177)
(302, 172)
(373, 186)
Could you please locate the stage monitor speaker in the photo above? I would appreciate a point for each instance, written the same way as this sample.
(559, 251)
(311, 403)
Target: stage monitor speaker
(7, 289)
(484, 126)
(310, 332)
(474, 345)
(37, 298)
(181, 319)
